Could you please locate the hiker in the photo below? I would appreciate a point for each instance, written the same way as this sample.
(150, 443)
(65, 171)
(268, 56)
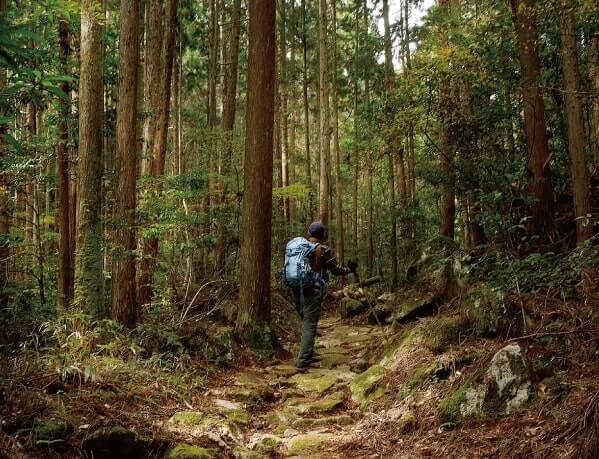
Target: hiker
(306, 264)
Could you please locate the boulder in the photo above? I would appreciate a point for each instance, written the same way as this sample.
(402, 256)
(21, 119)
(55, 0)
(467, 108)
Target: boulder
(351, 307)
(487, 311)
(199, 425)
(299, 405)
(504, 388)
(413, 309)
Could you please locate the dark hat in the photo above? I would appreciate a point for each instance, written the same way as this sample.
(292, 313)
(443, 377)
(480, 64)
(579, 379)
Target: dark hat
(317, 230)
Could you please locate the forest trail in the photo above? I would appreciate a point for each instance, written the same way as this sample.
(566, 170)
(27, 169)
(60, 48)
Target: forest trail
(277, 412)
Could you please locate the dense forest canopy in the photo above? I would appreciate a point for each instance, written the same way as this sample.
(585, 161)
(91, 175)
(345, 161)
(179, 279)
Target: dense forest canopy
(157, 155)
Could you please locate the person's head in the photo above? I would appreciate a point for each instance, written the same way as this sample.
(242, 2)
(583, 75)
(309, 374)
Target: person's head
(317, 230)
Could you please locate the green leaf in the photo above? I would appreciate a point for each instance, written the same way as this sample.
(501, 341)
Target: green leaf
(14, 143)
(57, 92)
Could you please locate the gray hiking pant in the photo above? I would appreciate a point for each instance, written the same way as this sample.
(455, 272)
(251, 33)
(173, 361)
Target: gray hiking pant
(309, 313)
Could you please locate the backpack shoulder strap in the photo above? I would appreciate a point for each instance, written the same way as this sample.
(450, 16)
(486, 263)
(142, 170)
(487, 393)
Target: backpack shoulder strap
(316, 263)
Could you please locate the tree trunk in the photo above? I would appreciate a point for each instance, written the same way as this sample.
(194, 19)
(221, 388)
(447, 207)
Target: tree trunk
(593, 54)
(576, 135)
(389, 84)
(65, 267)
(325, 127)
(160, 80)
(447, 154)
(124, 300)
(534, 119)
(253, 321)
(310, 209)
(4, 200)
(338, 185)
(356, 153)
(228, 124)
(89, 276)
(369, 167)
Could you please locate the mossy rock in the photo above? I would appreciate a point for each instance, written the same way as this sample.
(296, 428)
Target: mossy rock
(350, 307)
(313, 383)
(307, 442)
(306, 406)
(441, 333)
(185, 451)
(413, 309)
(198, 424)
(365, 386)
(268, 443)
(486, 312)
(112, 440)
(51, 432)
(503, 389)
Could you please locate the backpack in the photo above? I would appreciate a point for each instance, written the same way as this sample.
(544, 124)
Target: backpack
(297, 270)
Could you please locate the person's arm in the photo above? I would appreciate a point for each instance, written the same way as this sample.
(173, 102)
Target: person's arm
(330, 262)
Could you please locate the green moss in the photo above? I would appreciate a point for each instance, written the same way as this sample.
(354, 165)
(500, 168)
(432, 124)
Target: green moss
(268, 443)
(419, 378)
(313, 383)
(306, 442)
(442, 333)
(239, 416)
(485, 311)
(307, 406)
(260, 339)
(449, 407)
(185, 451)
(364, 387)
(188, 418)
(52, 431)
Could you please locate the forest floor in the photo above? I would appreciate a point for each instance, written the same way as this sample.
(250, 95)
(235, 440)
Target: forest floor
(375, 392)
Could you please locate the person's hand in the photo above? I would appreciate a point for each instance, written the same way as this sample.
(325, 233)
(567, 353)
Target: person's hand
(352, 265)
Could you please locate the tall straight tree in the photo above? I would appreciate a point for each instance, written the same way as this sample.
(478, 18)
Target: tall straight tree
(124, 300)
(253, 320)
(369, 166)
(537, 146)
(89, 276)
(4, 197)
(310, 209)
(65, 242)
(228, 119)
(576, 137)
(389, 83)
(593, 53)
(338, 185)
(325, 127)
(447, 151)
(160, 74)
(356, 154)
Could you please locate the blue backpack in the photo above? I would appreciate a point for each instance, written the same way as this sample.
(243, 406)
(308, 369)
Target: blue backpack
(297, 272)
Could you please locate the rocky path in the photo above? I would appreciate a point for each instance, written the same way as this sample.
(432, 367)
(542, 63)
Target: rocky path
(277, 412)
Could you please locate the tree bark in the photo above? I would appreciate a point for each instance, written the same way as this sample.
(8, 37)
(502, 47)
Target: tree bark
(389, 84)
(593, 53)
(310, 209)
(160, 81)
(325, 127)
(4, 200)
(338, 185)
(574, 112)
(369, 167)
(228, 123)
(534, 119)
(65, 267)
(124, 300)
(356, 153)
(89, 276)
(253, 321)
